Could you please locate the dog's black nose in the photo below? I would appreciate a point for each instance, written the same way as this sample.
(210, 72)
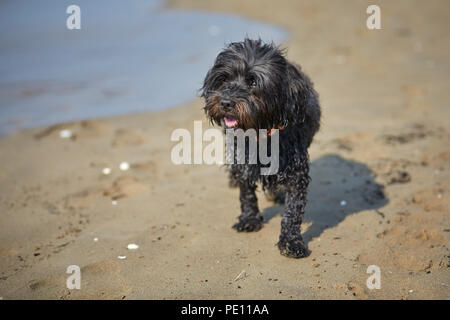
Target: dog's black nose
(226, 103)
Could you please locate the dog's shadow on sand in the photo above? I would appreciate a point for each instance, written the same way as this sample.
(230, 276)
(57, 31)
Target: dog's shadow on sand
(339, 188)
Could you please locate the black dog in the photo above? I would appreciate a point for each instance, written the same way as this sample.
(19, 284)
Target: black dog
(253, 86)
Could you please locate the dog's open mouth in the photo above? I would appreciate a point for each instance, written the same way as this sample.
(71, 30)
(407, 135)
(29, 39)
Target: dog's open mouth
(230, 121)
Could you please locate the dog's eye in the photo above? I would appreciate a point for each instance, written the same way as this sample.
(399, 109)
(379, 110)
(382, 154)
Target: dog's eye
(252, 82)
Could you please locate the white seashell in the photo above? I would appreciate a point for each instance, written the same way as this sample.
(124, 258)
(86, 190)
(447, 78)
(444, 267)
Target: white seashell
(132, 246)
(65, 134)
(124, 166)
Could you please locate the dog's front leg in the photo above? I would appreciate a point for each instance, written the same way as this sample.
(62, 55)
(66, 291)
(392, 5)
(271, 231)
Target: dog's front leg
(291, 242)
(250, 218)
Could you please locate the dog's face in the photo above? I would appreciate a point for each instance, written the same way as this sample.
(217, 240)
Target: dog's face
(246, 87)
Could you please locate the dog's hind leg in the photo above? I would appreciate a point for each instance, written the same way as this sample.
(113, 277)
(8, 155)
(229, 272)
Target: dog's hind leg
(250, 218)
(291, 243)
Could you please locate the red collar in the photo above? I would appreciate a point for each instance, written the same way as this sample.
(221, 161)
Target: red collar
(271, 131)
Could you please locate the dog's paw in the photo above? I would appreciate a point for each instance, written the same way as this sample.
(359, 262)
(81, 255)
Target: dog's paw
(294, 248)
(249, 224)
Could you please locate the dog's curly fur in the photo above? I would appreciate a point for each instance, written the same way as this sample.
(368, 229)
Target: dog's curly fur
(253, 83)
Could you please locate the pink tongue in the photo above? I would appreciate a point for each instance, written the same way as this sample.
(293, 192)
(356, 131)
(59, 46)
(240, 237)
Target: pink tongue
(230, 121)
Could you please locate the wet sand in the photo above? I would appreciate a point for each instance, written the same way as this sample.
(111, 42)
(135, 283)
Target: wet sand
(383, 149)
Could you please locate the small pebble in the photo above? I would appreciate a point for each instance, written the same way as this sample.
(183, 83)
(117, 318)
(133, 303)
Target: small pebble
(114, 203)
(106, 171)
(95, 239)
(439, 195)
(411, 291)
(343, 203)
(132, 246)
(121, 257)
(65, 134)
(124, 166)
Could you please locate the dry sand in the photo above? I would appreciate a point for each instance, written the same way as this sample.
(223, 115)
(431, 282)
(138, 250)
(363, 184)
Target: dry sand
(383, 148)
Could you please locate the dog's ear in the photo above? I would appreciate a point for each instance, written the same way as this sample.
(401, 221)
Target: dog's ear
(202, 91)
(208, 82)
(303, 101)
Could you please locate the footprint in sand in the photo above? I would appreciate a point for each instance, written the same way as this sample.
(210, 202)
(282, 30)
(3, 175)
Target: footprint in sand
(432, 199)
(406, 248)
(103, 280)
(411, 134)
(362, 145)
(82, 200)
(393, 171)
(348, 142)
(121, 187)
(46, 284)
(124, 187)
(411, 244)
(78, 130)
(100, 280)
(430, 158)
(127, 137)
(149, 167)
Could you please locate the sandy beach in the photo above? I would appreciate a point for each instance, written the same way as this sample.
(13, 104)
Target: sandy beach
(380, 169)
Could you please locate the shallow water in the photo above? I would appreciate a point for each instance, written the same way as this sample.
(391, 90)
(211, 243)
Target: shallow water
(128, 57)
